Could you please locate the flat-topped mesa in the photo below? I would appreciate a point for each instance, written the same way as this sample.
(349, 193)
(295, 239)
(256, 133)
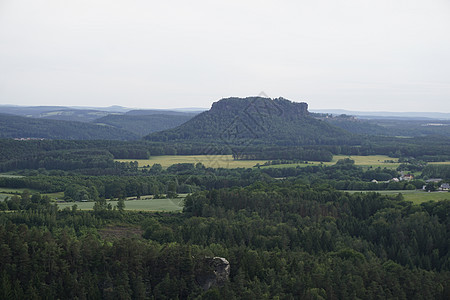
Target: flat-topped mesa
(257, 121)
(260, 105)
(235, 103)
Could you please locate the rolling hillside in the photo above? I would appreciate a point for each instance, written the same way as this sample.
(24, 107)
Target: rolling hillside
(59, 122)
(391, 127)
(79, 114)
(12, 126)
(142, 125)
(147, 112)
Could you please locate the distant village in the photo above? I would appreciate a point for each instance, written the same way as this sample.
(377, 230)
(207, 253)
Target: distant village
(441, 186)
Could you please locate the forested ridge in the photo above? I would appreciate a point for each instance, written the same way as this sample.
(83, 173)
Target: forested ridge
(143, 125)
(79, 124)
(21, 127)
(391, 127)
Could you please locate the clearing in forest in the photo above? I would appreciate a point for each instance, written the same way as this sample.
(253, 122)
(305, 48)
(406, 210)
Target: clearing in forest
(168, 205)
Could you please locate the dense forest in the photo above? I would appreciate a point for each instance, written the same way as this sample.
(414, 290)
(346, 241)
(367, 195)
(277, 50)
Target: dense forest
(292, 238)
(285, 240)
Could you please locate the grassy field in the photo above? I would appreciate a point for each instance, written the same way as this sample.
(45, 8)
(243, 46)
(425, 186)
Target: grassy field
(210, 161)
(415, 196)
(10, 191)
(145, 204)
(370, 160)
(55, 196)
(440, 163)
(11, 176)
(141, 205)
(226, 161)
(14, 190)
(362, 161)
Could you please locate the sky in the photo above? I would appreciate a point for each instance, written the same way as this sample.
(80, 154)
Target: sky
(385, 55)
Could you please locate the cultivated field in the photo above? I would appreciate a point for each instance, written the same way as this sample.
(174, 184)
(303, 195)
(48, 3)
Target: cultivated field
(374, 161)
(210, 161)
(415, 196)
(171, 205)
(440, 163)
(227, 161)
(370, 160)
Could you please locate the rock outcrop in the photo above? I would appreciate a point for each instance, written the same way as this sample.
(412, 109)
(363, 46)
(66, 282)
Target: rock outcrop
(214, 271)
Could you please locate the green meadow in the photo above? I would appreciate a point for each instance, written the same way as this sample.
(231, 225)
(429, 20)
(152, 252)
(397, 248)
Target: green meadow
(8, 192)
(415, 196)
(168, 205)
(373, 161)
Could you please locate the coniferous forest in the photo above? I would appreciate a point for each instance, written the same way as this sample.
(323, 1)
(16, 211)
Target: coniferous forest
(287, 240)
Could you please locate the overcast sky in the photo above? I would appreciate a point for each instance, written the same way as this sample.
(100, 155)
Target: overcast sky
(391, 55)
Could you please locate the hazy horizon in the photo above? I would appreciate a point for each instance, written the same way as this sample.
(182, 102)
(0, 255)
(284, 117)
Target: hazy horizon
(426, 114)
(353, 55)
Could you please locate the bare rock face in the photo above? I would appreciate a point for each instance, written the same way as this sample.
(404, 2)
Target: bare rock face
(214, 271)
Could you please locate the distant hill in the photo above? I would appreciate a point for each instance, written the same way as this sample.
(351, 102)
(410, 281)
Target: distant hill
(79, 115)
(147, 112)
(31, 111)
(91, 114)
(255, 120)
(56, 112)
(12, 126)
(390, 126)
(358, 126)
(142, 125)
(411, 127)
(387, 114)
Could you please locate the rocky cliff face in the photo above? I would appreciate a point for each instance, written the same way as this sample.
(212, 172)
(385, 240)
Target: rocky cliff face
(214, 271)
(261, 106)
